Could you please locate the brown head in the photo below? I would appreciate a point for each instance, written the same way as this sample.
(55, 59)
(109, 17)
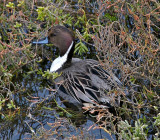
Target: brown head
(62, 38)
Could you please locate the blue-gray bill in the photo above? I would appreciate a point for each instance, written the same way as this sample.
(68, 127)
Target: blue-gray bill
(41, 41)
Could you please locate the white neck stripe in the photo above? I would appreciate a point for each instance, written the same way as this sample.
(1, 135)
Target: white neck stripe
(58, 62)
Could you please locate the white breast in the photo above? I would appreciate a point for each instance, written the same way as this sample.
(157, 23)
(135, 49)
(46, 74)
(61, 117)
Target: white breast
(58, 62)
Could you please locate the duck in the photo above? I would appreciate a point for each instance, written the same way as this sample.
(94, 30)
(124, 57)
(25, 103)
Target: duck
(82, 81)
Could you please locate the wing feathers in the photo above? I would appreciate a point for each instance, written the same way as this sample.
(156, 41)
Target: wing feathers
(82, 88)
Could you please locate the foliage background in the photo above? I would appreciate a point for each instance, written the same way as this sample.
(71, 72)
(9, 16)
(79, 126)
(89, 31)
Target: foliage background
(122, 35)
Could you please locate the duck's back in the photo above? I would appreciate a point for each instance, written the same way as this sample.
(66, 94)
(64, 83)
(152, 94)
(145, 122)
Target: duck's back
(85, 81)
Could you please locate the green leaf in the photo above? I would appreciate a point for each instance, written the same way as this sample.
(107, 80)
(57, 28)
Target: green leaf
(17, 25)
(80, 48)
(10, 5)
(112, 18)
(11, 105)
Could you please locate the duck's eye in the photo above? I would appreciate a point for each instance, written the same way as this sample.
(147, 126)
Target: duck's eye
(52, 34)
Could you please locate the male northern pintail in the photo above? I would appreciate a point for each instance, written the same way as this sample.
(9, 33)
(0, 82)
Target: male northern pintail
(82, 82)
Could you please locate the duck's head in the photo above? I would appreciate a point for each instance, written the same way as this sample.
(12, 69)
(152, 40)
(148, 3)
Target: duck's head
(62, 38)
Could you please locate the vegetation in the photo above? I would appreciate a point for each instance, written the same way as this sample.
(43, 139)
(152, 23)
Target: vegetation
(123, 35)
